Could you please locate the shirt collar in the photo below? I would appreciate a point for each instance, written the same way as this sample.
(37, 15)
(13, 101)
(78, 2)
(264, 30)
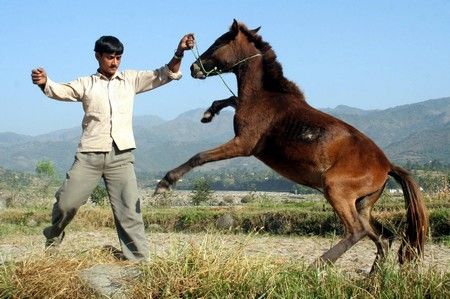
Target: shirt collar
(118, 75)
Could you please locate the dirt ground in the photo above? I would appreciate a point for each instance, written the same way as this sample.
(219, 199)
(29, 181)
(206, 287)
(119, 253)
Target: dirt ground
(296, 248)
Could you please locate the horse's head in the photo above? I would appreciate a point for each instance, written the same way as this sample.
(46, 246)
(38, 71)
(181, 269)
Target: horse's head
(227, 52)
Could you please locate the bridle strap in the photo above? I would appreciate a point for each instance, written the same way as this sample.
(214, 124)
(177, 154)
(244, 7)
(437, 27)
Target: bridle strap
(215, 70)
(244, 60)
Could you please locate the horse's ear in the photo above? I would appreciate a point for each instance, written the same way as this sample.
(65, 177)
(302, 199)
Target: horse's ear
(254, 31)
(235, 27)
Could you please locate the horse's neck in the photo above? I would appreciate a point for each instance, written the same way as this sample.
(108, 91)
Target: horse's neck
(249, 83)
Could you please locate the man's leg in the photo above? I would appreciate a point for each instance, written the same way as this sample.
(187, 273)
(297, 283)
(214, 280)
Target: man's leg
(121, 184)
(80, 181)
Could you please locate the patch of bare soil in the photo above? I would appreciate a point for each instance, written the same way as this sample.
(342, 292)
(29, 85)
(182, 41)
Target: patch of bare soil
(286, 248)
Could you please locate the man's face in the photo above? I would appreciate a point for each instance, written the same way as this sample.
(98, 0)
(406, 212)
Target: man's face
(108, 63)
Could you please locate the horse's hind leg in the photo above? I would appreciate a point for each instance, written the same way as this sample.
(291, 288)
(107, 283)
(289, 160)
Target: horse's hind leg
(354, 228)
(380, 235)
(383, 240)
(216, 107)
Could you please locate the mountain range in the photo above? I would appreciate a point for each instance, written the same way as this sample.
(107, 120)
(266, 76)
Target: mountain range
(417, 132)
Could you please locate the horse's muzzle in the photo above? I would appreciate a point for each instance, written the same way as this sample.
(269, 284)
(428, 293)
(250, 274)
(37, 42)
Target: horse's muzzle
(196, 71)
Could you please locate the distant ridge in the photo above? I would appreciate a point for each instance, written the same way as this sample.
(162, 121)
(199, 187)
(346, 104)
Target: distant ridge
(343, 109)
(417, 132)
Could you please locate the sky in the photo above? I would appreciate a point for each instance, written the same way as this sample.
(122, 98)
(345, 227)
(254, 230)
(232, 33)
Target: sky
(363, 54)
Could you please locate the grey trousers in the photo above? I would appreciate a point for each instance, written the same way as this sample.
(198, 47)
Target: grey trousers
(117, 169)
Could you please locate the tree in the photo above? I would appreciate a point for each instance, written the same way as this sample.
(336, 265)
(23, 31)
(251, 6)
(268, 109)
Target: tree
(46, 171)
(201, 191)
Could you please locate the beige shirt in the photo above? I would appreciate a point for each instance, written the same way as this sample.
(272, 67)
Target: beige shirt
(108, 104)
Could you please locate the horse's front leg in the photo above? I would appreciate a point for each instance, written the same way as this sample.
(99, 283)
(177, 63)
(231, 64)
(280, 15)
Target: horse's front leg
(233, 148)
(216, 106)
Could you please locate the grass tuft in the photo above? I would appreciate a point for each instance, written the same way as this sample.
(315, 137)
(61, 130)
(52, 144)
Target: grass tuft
(215, 270)
(214, 267)
(49, 275)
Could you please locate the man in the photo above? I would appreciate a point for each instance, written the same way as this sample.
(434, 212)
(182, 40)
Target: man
(107, 141)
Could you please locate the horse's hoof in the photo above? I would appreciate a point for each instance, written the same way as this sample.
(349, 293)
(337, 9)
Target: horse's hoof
(318, 264)
(207, 117)
(162, 187)
(160, 190)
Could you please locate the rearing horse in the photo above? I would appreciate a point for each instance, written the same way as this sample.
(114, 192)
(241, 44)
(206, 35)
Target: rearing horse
(274, 123)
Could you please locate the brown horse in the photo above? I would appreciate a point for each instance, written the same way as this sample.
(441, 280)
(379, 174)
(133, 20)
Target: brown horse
(274, 123)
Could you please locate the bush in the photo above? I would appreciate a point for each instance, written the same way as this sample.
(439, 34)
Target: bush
(249, 198)
(99, 194)
(440, 223)
(201, 191)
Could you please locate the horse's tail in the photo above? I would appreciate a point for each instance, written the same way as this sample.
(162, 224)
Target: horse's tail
(417, 219)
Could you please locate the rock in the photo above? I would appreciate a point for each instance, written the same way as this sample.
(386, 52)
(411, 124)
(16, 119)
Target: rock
(226, 221)
(109, 280)
(9, 253)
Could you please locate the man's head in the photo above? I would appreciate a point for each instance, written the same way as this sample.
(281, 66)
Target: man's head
(108, 52)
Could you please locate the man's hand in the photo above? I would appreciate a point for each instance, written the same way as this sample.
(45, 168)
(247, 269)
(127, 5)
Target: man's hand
(39, 76)
(186, 43)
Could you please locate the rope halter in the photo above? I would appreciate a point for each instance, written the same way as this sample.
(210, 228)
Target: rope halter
(217, 71)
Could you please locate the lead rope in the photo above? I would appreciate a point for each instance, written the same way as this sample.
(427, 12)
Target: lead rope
(215, 69)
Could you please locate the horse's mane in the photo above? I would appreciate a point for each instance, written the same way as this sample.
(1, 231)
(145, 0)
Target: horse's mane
(273, 78)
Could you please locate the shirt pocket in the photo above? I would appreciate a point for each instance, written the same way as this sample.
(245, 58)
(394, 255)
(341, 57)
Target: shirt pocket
(125, 98)
(96, 100)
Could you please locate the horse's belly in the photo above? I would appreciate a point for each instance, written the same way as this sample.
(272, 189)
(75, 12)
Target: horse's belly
(304, 172)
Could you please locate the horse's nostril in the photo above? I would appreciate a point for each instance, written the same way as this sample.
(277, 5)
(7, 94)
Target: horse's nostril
(196, 72)
(199, 75)
(195, 67)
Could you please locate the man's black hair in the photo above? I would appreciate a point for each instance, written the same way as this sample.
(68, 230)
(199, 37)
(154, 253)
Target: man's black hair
(109, 45)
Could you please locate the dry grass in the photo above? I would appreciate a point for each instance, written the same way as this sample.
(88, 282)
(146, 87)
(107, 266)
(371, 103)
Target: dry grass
(213, 267)
(49, 274)
(210, 269)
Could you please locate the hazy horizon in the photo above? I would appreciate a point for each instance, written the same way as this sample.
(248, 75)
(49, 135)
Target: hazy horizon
(201, 108)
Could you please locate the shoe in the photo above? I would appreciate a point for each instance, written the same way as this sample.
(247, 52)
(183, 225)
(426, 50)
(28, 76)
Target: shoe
(55, 241)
